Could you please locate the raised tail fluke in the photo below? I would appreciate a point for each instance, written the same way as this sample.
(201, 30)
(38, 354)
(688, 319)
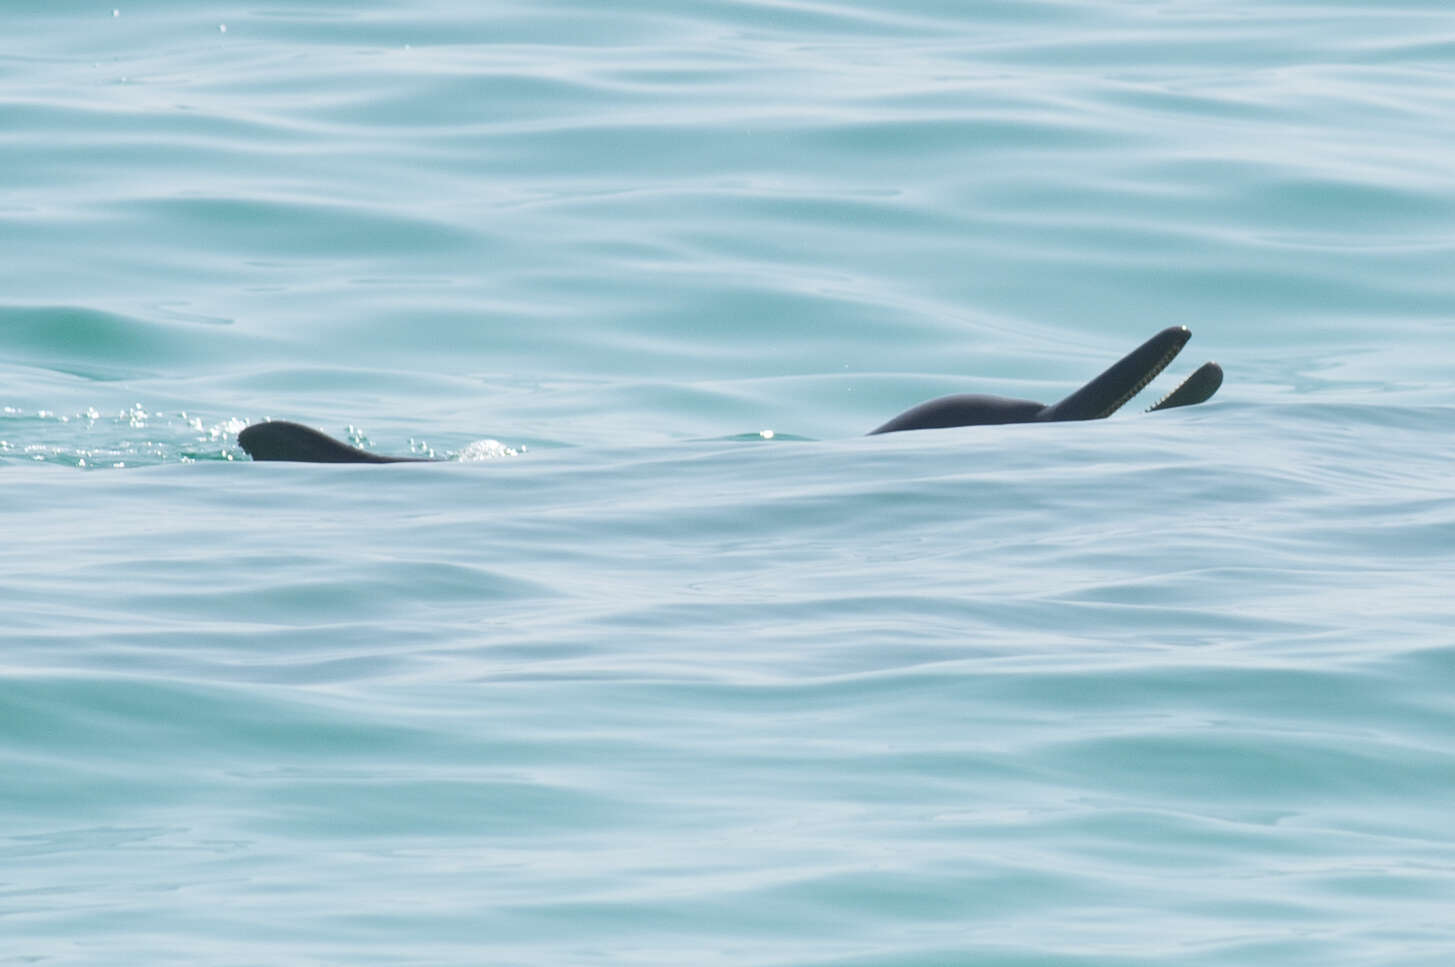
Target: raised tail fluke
(282, 440)
(1197, 388)
(1127, 377)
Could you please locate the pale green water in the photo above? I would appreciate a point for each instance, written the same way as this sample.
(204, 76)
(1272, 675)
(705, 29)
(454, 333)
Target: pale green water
(640, 684)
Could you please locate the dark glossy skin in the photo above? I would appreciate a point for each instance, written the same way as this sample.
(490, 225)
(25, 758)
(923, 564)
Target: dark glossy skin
(1100, 398)
(1096, 400)
(282, 440)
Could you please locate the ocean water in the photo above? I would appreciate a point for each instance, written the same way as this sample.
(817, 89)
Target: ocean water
(668, 663)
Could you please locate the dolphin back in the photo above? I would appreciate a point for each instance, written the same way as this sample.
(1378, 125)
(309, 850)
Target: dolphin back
(964, 409)
(282, 440)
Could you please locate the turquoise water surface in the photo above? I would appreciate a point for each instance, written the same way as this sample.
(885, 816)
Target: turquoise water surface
(667, 663)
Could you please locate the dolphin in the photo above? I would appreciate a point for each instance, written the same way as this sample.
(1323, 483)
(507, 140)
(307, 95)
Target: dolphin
(1098, 399)
(283, 440)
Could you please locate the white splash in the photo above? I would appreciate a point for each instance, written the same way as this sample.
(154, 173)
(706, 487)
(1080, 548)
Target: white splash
(487, 450)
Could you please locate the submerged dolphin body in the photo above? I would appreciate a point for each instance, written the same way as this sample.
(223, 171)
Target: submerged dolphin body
(1100, 398)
